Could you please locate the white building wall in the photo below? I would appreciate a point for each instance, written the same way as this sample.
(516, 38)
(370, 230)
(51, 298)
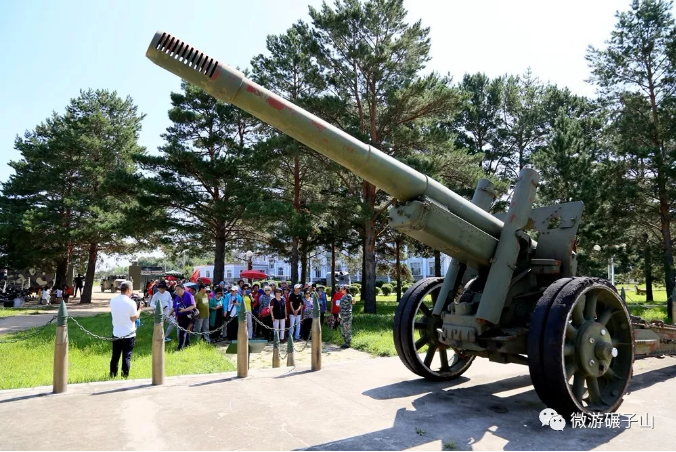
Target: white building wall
(281, 270)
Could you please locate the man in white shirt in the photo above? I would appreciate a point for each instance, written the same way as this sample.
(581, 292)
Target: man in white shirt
(164, 298)
(124, 313)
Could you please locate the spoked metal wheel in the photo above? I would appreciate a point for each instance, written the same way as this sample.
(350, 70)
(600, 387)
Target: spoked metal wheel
(416, 337)
(581, 347)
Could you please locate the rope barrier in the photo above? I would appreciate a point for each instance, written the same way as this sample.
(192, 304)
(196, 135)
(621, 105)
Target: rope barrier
(34, 333)
(171, 320)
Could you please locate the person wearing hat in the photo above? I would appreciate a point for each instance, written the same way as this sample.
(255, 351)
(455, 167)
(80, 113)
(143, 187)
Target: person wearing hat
(164, 298)
(233, 301)
(296, 304)
(346, 302)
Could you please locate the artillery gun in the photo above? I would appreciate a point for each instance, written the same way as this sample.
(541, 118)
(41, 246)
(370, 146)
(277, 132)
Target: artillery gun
(511, 293)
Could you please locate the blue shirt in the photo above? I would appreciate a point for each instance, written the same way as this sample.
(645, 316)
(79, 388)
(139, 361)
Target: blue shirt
(183, 302)
(322, 301)
(226, 303)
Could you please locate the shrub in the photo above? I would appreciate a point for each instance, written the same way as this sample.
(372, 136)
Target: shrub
(379, 291)
(387, 289)
(355, 290)
(405, 286)
(380, 283)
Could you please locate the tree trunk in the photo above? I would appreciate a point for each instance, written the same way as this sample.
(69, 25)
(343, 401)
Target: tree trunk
(668, 253)
(219, 254)
(363, 270)
(62, 266)
(295, 240)
(665, 223)
(437, 263)
(333, 267)
(647, 268)
(295, 259)
(303, 261)
(89, 277)
(369, 276)
(397, 246)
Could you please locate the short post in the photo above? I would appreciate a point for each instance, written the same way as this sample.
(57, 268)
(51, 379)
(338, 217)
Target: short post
(61, 351)
(673, 308)
(290, 358)
(158, 346)
(242, 343)
(316, 338)
(275, 350)
(623, 294)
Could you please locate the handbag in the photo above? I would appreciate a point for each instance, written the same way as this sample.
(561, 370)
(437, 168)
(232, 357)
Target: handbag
(265, 311)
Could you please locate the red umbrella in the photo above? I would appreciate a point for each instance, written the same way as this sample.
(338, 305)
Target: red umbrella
(170, 278)
(205, 280)
(253, 274)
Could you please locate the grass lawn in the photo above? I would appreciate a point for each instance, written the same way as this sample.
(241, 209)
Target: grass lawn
(10, 312)
(371, 333)
(659, 294)
(30, 363)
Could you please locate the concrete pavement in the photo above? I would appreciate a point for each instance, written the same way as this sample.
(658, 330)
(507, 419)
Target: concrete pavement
(374, 404)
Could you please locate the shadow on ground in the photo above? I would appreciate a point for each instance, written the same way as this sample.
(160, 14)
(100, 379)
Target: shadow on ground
(460, 417)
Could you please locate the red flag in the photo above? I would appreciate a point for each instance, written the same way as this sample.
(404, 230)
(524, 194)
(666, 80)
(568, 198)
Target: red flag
(195, 276)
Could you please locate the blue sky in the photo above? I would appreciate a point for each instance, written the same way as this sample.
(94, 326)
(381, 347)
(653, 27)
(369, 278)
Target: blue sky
(52, 49)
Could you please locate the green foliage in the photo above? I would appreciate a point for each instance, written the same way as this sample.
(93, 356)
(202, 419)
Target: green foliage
(379, 291)
(405, 287)
(387, 289)
(355, 290)
(205, 178)
(74, 192)
(636, 74)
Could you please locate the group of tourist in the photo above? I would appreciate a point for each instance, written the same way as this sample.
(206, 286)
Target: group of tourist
(203, 311)
(60, 293)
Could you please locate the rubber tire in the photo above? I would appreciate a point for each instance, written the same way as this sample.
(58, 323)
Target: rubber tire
(537, 327)
(555, 388)
(404, 340)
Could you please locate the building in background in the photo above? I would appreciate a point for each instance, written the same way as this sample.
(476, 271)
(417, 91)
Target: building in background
(320, 268)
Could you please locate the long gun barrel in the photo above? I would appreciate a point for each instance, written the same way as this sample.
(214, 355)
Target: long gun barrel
(402, 182)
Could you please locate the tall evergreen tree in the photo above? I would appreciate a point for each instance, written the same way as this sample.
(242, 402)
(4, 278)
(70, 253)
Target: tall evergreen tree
(372, 60)
(104, 129)
(205, 176)
(293, 169)
(636, 75)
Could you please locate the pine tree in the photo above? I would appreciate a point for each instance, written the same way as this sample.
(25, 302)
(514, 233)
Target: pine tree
(372, 60)
(205, 178)
(636, 74)
(294, 170)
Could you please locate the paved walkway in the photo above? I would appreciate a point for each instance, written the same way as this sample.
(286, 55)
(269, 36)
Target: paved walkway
(360, 405)
(16, 323)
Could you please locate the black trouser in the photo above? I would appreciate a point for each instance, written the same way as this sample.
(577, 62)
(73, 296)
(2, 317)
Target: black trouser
(232, 329)
(122, 347)
(76, 289)
(268, 334)
(183, 336)
(305, 328)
